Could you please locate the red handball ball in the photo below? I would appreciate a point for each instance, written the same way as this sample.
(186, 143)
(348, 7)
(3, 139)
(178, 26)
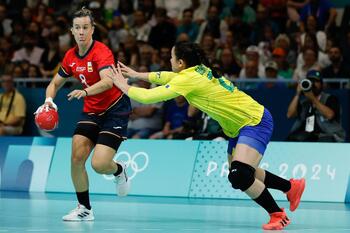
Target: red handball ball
(47, 120)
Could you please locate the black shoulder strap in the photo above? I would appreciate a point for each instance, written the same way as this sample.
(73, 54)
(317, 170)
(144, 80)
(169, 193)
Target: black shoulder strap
(10, 105)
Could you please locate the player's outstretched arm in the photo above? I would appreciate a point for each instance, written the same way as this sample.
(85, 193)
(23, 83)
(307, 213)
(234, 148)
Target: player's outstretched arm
(142, 95)
(130, 73)
(160, 78)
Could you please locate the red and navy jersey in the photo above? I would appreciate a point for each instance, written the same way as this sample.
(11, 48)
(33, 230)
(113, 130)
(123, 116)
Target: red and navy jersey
(86, 69)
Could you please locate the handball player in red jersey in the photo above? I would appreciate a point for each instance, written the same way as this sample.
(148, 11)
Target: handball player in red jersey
(104, 119)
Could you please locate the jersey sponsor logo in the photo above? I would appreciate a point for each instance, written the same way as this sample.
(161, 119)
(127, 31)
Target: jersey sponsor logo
(80, 69)
(89, 66)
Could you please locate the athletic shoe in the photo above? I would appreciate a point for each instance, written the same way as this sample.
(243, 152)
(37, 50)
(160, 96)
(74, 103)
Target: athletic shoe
(295, 192)
(81, 213)
(278, 221)
(122, 182)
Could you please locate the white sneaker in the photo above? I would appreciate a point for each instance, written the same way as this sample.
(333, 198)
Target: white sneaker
(81, 213)
(122, 182)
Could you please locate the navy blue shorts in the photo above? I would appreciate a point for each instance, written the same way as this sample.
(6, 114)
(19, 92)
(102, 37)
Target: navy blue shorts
(113, 123)
(257, 136)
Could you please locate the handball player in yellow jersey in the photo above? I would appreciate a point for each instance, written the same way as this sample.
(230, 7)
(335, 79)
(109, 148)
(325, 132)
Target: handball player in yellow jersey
(248, 124)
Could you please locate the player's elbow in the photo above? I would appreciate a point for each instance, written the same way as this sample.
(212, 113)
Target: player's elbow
(108, 83)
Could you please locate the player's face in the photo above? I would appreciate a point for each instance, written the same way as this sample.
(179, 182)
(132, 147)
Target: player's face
(176, 65)
(82, 30)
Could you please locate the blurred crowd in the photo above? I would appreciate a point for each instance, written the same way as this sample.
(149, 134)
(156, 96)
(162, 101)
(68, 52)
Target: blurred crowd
(245, 39)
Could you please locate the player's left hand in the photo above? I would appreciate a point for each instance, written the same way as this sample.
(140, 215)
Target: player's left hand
(77, 94)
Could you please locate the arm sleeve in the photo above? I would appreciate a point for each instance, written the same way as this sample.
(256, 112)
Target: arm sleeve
(149, 96)
(105, 59)
(161, 78)
(65, 70)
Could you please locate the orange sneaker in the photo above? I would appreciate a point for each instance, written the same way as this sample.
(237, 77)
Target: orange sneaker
(295, 192)
(278, 221)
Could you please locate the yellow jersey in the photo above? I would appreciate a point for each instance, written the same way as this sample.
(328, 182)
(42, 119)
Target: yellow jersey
(217, 97)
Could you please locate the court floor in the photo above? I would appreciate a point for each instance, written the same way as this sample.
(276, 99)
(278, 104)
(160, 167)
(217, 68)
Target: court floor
(37, 212)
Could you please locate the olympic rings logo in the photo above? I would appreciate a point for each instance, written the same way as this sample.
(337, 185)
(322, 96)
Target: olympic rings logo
(134, 163)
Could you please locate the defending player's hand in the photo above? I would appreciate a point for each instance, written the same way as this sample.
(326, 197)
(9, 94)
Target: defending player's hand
(46, 106)
(76, 94)
(117, 76)
(127, 71)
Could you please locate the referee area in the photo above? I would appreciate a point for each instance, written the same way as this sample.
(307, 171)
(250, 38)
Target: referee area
(39, 212)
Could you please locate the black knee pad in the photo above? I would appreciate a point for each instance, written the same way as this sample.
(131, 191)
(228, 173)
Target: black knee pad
(88, 129)
(241, 175)
(110, 139)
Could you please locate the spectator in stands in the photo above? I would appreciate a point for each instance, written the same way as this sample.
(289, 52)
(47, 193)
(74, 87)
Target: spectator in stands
(165, 55)
(277, 11)
(200, 9)
(252, 53)
(279, 56)
(229, 68)
(26, 16)
(183, 37)
(187, 25)
(317, 115)
(263, 21)
(29, 52)
(310, 63)
(51, 57)
(164, 32)
(17, 71)
(12, 108)
(64, 35)
(17, 34)
(324, 12)
(271, 71)
(3, 62)
(5, 23)
(47, 25)
(140, 29)
(117, 34)
(175, 115)
(338, 69)
(345, 46)
(251, 68)
(209, 46)
(248, 14)
(223, 7)
(213, 25)
(284, 42)
(310, 41)
(146, 55)
(293, 8)
(145, 119)
(174, 8)
(311, 28)
(148, 7)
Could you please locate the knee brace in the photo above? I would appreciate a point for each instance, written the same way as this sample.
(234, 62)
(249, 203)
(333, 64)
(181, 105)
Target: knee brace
(241, 175)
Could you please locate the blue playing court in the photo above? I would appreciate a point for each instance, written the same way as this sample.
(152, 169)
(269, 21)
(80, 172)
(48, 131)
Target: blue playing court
(38, 212)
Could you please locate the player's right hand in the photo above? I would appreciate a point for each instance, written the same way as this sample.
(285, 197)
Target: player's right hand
(127, 71)
(46, 106)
